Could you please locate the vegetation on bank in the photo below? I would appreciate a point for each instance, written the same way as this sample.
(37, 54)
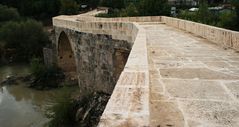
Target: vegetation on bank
(82, 111)
(20, 38)
(23, 40)
(140, 8)
(228, 19)
(45, 77)
(44, 10)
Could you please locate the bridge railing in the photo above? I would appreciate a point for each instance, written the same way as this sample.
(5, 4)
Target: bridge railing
(129, 102)
(121, 19)
(118, 30)
(222, 37)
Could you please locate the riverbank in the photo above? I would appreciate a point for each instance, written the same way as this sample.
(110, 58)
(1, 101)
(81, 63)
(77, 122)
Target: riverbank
(21, 105)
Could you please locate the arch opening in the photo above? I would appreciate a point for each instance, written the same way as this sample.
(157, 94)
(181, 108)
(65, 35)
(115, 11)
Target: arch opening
(66, 59)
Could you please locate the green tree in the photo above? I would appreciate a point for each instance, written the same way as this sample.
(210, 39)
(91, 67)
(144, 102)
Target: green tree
(69, 7)
(204, 15)
(93, 3)
(38, 9)
(8, 14)
(227, 20)
(185, 14)
(27, 38)
(153, 7)
(235, 3)
(130, 10)
(119, 4)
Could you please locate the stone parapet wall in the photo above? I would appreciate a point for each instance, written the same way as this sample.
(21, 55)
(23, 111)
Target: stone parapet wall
(222, 37)
(129, 102)
(118, 30)
(121, 19)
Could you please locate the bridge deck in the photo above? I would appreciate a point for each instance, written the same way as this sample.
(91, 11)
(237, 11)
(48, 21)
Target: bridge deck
(193, 83)
(174, 79)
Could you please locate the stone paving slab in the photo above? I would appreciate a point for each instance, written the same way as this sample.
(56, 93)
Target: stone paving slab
(193, 82)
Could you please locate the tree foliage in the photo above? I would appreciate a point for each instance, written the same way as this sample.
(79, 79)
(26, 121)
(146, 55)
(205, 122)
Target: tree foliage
(227, 20)
(119, 4)
(38, 9)
(130, 10)
(203, 13)
(8, 14)
(140, 8)
(26, 37)
(69, 7)
(235, 3)
(154, 7)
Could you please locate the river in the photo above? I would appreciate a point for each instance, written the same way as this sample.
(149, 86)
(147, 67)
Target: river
(21, 106)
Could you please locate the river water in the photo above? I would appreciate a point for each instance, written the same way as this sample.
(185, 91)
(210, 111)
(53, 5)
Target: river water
(21, 106)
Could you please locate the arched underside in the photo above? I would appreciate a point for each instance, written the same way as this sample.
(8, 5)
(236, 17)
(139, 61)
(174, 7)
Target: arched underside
(66, 59)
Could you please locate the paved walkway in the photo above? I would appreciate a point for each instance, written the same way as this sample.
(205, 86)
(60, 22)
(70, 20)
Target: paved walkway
(193, 83)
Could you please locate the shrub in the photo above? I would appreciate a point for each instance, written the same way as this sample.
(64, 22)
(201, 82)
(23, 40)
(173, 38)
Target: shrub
(45, 77)
(184, 14)
(37, 67)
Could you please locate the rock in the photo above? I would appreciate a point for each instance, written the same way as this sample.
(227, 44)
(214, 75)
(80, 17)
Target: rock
(28, 78)
(79, 114)
(91, 109)
(9, 80)
(86, 113)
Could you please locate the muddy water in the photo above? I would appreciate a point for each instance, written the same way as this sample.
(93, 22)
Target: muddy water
(21, 106)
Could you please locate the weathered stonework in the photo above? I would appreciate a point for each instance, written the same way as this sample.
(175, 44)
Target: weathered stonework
(97, 59)
(48, 56)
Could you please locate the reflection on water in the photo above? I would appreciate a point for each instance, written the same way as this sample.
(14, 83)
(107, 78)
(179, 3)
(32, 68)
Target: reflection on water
(19, 112)
(21, 106)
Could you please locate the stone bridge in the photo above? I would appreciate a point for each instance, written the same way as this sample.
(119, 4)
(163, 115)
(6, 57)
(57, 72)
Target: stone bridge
(161, 71)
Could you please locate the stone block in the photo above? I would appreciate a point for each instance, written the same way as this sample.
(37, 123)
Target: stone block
(235, 40)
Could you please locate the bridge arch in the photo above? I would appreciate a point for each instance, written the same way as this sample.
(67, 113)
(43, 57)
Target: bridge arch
(65, 56)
